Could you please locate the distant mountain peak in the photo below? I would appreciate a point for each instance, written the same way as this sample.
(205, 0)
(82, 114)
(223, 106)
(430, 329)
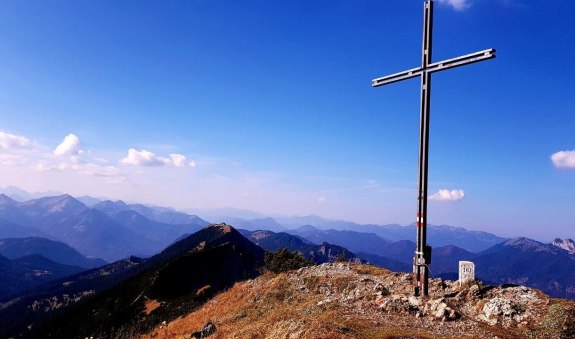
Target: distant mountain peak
(527, 244)
(258, 235)
(109, 206)
(567, 244)
(223, 227)
(307, 228)
(212, 235)
(118, 202)
(4, 199)
(59, 203)
(56, 251)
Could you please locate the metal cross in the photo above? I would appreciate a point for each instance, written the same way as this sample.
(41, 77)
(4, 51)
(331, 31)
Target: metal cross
(422, 257)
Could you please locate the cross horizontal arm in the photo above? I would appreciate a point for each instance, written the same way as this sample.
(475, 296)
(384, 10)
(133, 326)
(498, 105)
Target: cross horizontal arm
(461, 61)
(389, 79)
(435, 67)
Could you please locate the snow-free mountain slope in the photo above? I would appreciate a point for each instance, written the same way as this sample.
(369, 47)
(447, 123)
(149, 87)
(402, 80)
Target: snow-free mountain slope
(56, 251)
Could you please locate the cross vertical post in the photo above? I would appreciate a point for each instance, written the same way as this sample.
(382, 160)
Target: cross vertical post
(422, 257)
(420, 268)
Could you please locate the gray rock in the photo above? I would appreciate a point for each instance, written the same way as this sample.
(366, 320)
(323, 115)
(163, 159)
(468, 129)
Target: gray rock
(206, 331)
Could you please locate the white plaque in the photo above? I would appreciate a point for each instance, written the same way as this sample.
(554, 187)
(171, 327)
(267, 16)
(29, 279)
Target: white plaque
(466, 272)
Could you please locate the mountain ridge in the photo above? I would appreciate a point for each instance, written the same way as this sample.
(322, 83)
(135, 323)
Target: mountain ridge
(566, 244)
(56, 251)
(190, 271)
(90, 230)
(318, 253)
(27, 272)
(180, 279)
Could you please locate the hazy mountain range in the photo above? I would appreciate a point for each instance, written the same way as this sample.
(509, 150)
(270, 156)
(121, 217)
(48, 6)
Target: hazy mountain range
(516, 261)
(321, 253)
(133, 295)
(13, 248)
(114, 230)
(474, 241)
(109, 230)
(29, 271)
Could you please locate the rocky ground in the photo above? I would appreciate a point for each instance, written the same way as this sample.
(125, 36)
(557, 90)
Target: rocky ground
(341, 300)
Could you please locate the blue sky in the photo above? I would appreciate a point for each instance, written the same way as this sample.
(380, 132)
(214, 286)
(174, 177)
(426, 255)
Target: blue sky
(267, 106)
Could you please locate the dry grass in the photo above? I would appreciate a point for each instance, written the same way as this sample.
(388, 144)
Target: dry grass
(559, 319)
(270, 307)
(203, 291)
(320, 303)
(369, 269)
(151, 305)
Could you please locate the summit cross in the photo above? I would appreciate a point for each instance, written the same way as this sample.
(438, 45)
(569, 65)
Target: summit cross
(422, 257)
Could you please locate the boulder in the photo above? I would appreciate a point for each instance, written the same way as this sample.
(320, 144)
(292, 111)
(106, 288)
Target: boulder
(206, 331)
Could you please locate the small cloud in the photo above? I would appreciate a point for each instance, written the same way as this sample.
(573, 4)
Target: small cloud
(180, 160)
(110, 174)
(564, 159)
(147, 158)
(458, 5)
(447, 195)
(11, 141)
(321, 200)
(143, 158)
(70, 146)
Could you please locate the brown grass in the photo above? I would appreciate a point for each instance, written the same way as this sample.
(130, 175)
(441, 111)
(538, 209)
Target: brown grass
(369, 269)
(203, 291)
(290, 305)
(151, 305)
(273, 309)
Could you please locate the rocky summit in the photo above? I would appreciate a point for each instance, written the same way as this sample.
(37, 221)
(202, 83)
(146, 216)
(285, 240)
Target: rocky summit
(342, 300)
(566, 244)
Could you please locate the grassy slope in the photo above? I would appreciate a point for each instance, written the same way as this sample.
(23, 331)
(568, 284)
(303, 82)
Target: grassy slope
(271, 306)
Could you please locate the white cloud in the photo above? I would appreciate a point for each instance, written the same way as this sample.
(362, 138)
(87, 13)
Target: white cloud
(564, 159)
(69, 146)
(458, 5)
(10, 141)
(321, 200)
(447, 195)
(178, 160)
(147, 158)
(109, 173)
(143, 158)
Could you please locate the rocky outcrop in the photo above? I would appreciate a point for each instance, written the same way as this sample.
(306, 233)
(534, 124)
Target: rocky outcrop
(206, 331)
(506, 306)
(567, 244)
